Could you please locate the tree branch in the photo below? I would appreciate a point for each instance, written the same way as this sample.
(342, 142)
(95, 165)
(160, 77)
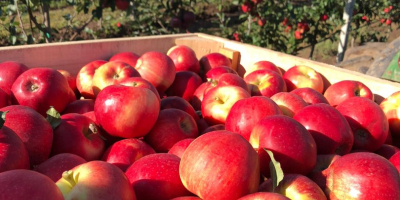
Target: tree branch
(20, 19)
(33, 18)
(79, 30)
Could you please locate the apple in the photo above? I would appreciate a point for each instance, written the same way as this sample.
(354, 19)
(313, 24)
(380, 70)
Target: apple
(186, 198)
(175, 22)
(215, 127)
(202, 125)
(172, 126)
(112, 73)
(140, 82)
(303, 76)
(310, 95)
(213, 60)
(265, 82)
(179, 103)
(122, 4)
(342, 90)
(125, 152)
(40, 88)
(78, 135)
(184, 58)
(22, 184)
(156, 176)
(35, 132)
(4, 99)
(216, 72)
(184, 85)
(246, 113)
(125, 111)
(289, 103)
(321, 169)
(218, 102)
(198, 95)
(362, 175)
(390, 107)
(56, 165)
(9, 72)
(367, 121)
(247, 6)
(127, 57)
(157, 68)
(329, 128)
(95, 180)
(189, 17)
(298, 34)
(290, 142)
(84, 78)
(263, 64)
(206, 166)
(228, 79)
(80, 106)
(264, 195)
(179, 148)
(295, 187)
(395, 160)
(71, 80)
(387, 151)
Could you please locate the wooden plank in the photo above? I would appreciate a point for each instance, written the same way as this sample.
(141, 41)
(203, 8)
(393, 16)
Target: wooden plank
(233, 55)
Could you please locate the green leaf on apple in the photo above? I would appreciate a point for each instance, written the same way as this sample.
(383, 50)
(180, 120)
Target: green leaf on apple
(53, 117)
(3, 118)
(275, 170)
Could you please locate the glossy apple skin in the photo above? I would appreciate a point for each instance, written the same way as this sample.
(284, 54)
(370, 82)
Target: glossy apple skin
(156, 177)
(56, 165)
(40, 88)
(260, 65)
(265, 83)
(390, 107)
(4, 99)
(367, 121)
(80, 106)
(289, 103)
(232, 79)
(218, 102)
(395, 160)
(295, 187)
(125, 111)
(14, 154)
(78, 135)
(198, 95)
(246, 113)
(302, 77)
(215, 153)
(20, 184)
(290, 142)
(213, 60)
(216, 72)
(125, 152)
(184, 85)
(95, 180)
(112, 73)
(321, 169)
(71, 79)
(129, 58)
(179, 148)
(387, 151)
(33, 129)
(343, 90)
(329, 128)
(310, 95)
(184, 58)
(264, 195)
(9, 72)
(363, 175)
(157, 68)
(172, 126)
(179, 103)
(84, 78)
(140, 82)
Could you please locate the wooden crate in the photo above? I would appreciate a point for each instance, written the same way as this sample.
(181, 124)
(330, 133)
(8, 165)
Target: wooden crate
(73, 55)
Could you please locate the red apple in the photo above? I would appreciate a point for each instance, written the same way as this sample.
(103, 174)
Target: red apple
(218, 102)
(228, 79)
(35, 132)
(172, 126)
(216, 127)
(184, 85)
(175, 22)
(179, 148)
(125, 111)
(125, 152)
(202, 125)
(310, 95)
(156, 177)
(395, 160)
(40, 88)
(80, 106)
(303, 76)
(213, 60)
(262, 65)
(184, 58)
(95, 180)
(127, 57)
(157, 68)
(387, 151)
(186, 198)
(214, 154)
(330, 130)
(289, 103)
(9, 72)
(112, 73)
(321, 169)
(290, 142)
(78, 135)
(340, 91)
(198, 95)
(390, 107)
(4, 99)
(189, 17)
(122, 4)
(56, 165)
(71, 80)
(216, 72)
(367, 121)
(140, 82)
(265, 83)
(264, 195)
(363, 175)
(84, 78)
(179, 103)
(246, 113)
(22, 184)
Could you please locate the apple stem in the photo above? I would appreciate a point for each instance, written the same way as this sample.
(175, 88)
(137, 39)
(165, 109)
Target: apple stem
(93, 130)
(34, 87)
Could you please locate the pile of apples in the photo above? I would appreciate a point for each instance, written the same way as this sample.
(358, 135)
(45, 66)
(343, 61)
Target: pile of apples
(169, 126)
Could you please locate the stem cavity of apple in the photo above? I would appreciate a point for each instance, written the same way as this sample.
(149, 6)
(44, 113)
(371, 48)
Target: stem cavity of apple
(34, 87)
